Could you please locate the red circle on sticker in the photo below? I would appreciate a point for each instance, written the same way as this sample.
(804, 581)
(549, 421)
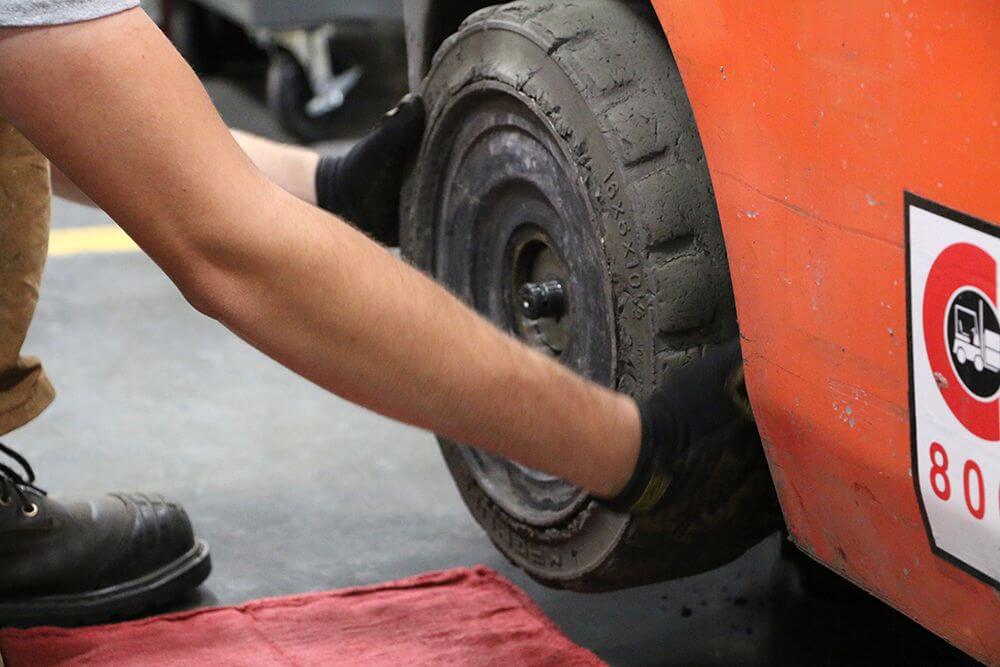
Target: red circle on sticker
(962, 336)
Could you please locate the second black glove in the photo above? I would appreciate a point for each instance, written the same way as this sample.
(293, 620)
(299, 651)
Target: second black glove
(693, 413)
(363, 185)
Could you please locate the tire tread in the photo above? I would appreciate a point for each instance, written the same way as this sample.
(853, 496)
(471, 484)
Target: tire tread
(617, 56)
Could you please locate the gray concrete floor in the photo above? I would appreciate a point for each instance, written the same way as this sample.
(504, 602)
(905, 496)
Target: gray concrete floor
(297, 490)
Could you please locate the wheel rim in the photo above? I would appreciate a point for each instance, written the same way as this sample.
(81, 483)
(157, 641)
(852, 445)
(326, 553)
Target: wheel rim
(511, 239)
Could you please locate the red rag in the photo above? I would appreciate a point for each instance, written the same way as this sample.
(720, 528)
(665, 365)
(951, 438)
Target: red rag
(464, 616)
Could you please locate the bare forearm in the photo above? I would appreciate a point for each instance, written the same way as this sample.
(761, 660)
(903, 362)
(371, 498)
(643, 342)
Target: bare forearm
(293, 168)
(376, 331)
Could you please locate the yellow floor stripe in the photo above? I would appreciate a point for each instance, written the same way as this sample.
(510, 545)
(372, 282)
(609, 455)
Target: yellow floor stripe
(85, 240)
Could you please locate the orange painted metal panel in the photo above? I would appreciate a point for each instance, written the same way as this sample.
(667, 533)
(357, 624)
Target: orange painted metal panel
(816, 118)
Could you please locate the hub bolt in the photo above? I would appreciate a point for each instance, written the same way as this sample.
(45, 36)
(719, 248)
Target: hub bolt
(543, 299)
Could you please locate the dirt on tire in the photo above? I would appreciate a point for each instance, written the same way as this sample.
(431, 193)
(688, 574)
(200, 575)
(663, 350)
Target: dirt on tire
(600, 77)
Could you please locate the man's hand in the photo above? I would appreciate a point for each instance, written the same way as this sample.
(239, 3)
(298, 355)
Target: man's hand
(363, 186)
(698, 408)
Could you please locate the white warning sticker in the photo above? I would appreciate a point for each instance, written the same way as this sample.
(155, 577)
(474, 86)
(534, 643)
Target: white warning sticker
(954, 330)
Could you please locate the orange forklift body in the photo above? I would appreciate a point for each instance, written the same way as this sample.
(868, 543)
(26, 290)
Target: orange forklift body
(831, 130)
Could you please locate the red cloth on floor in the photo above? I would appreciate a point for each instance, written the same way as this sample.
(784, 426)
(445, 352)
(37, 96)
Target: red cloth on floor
(462, 616)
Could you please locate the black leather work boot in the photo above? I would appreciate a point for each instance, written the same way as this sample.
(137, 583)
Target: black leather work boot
(84, 562)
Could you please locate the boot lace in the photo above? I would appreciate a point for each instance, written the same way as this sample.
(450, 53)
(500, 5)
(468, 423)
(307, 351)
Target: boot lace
(14, 484)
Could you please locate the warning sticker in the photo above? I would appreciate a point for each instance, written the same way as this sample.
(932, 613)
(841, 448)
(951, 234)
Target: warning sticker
(954, 330)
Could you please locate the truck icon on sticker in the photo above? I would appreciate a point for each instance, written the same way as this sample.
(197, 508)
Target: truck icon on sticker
(974, 341)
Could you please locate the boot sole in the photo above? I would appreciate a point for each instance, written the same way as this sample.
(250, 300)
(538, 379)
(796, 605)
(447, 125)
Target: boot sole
(114, 603)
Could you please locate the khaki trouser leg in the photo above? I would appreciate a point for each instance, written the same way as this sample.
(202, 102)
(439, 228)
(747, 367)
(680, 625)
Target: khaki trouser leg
(25, 198)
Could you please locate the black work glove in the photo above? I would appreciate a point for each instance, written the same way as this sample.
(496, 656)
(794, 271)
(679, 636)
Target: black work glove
(363, 186)
(689, 418)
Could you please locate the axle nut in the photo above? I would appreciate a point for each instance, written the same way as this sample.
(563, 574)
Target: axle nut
(543, 299)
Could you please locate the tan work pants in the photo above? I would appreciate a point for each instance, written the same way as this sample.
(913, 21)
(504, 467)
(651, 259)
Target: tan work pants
(25, 199)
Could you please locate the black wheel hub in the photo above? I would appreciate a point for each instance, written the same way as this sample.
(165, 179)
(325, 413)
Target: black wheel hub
(543, 300)
(512, 240)
(540, 307)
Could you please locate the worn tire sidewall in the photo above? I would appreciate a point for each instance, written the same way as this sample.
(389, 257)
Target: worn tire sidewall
(558, 555)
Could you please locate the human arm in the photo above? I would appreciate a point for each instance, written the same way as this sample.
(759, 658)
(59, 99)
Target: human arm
(293, 168)
(322, 179)
(300, 285)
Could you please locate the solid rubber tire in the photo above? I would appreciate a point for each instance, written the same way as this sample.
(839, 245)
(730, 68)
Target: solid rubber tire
(601, 76)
